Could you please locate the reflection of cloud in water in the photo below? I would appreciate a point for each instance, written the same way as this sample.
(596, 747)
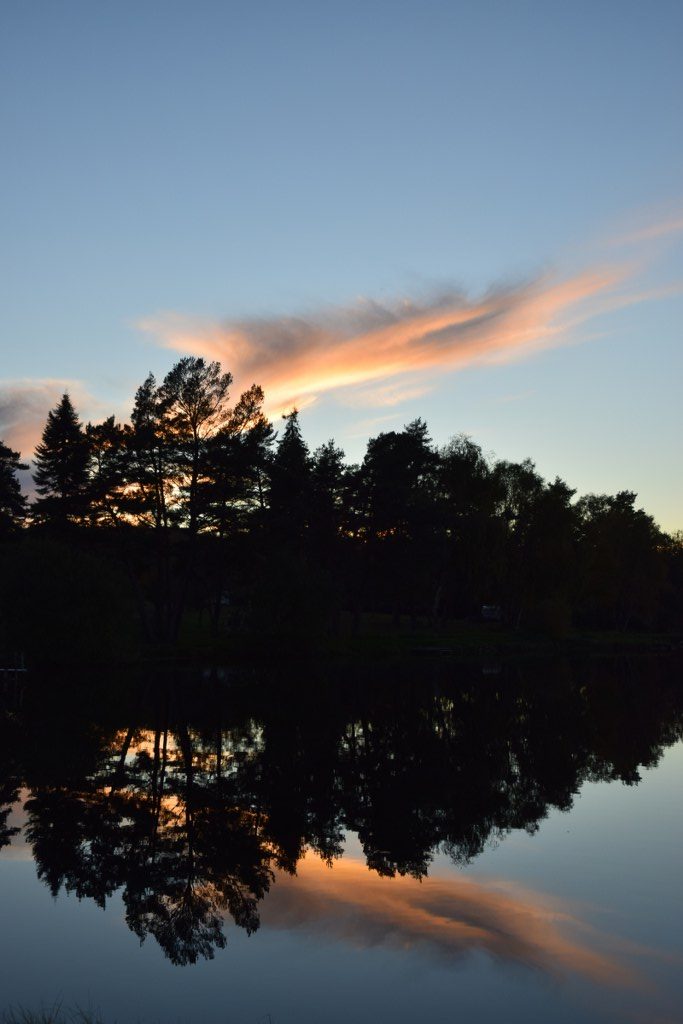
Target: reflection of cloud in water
(445, 918)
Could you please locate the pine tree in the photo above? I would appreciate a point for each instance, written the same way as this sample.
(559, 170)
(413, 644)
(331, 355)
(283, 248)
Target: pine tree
(290, 480)
(107, 452)
(12, 501)
(61, 475)
(193, 400)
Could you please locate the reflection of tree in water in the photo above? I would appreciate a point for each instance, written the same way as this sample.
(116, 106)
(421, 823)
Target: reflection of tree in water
(154, 821)
(9, 774)
(189, 813)
(204, 855)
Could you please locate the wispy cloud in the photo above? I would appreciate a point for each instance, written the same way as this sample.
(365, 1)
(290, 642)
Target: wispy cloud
(520, 396)
(665, 227)
(378, 355)
(24, 405)
(447, 918)
(297, 359)
(387, 395)
(363, 427)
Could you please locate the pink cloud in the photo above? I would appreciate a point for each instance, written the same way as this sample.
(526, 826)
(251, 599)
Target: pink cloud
(449, 917)
(297, 359)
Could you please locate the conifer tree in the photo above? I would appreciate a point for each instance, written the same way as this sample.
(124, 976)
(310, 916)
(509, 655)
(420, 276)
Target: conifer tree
(12, 501)
(193, 400)
(61, 474)
(290, 480)
(107, 463)
(148, 471)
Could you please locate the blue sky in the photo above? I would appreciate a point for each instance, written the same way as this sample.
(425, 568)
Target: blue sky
(234, 180)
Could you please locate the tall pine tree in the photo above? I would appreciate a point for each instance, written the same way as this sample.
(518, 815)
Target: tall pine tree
(61, 474)
(12, 501)
(290, 482)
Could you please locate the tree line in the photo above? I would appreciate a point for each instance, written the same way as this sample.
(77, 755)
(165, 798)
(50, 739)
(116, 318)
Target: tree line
(198, 509)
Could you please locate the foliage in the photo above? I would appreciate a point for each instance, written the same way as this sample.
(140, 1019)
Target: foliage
(12, 501)
(201, 510)
(61, 474)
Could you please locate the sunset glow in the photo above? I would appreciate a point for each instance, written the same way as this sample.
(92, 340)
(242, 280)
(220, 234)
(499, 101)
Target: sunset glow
(341, 512)
(448, 918)
(299, 359)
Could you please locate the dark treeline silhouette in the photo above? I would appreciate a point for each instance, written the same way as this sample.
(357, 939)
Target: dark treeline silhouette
(197, 510)
(191, 796)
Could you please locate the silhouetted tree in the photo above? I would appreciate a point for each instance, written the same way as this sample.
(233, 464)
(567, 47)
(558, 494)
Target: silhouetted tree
(12, 501)
(171, 428)
(328, 486)
(107, 472)
(671, 598)
(149, 461)
(519, 488)
(290, 482)
(202, 509)
(548, 570)
(622, 567)
(147, 502)
(231, 489)
(61, 475)
(193, 399)
(287, 598)
(232, 502)
(540, 548)
(396, 488)
(469, 574)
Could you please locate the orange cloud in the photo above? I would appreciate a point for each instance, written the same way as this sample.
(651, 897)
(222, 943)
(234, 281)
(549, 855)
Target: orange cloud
(447, 918)
(298, 359)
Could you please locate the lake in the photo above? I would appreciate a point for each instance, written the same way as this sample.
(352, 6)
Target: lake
(342, 842)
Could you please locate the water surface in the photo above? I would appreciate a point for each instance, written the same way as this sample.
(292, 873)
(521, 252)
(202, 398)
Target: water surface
(346, 842)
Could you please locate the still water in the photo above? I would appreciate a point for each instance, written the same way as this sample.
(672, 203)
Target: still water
(348, 842)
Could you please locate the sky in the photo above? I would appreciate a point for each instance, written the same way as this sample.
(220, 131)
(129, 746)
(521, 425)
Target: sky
(466, 211)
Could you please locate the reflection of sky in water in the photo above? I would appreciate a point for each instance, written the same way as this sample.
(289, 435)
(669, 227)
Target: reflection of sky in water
(578, 923)
(443, 918)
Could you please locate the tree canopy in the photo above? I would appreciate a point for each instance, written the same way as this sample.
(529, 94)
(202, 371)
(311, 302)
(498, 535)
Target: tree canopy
(208, 512)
